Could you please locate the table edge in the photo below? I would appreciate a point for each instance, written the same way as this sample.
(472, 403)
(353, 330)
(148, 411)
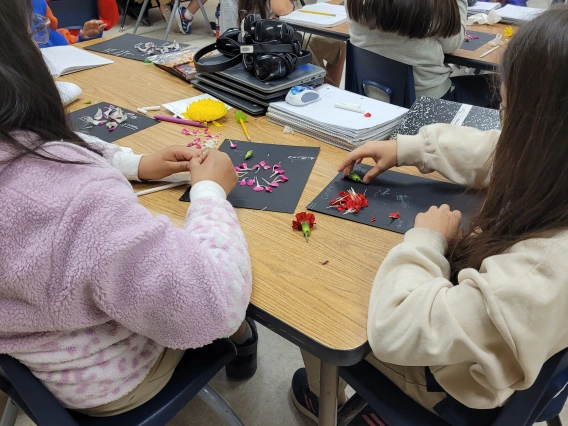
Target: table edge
(339, 357)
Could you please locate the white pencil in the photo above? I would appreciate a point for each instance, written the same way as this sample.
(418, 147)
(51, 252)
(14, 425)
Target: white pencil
(489, 51)
(160, 188)
(152, 108)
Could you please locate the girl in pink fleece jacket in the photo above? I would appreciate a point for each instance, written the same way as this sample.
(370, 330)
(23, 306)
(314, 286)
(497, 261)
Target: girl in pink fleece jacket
(96, 294)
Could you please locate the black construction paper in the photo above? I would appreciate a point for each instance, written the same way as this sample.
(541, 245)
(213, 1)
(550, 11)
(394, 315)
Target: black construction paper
(124, 46)
(484, 38)
(397, 192)
(296, 161)
(133, 124)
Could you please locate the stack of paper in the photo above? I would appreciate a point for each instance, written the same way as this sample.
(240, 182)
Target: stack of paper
(482, 7)
(346, 129)
(517, 14)
(324, 15)
(63, 60)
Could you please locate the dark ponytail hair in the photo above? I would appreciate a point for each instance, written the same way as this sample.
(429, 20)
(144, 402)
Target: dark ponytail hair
(253, 6)
(29, 99)
(408, 18)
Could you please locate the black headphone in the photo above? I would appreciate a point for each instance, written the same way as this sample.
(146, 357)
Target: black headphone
(269, 48)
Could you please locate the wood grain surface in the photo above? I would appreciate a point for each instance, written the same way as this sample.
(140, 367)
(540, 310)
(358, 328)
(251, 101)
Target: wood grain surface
(328, 303)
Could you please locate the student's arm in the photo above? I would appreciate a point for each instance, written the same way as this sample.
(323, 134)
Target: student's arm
(461, 154)
(183, 288)
(282, 7)
(451, 44)
(497, 327)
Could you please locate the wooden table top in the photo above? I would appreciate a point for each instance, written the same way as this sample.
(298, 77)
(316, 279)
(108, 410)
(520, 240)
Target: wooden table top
(327, 303)
(464, 57)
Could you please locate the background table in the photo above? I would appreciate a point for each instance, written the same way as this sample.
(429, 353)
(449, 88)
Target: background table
(320, 308)
(467, 58)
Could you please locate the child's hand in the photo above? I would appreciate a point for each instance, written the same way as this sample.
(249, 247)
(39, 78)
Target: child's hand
(383, 152)
(173, 159)
(442, 220)
(216, 166)
(92, 28)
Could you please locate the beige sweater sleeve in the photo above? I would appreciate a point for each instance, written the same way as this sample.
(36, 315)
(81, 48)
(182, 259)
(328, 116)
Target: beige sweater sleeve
(489, 335)
(461, 154)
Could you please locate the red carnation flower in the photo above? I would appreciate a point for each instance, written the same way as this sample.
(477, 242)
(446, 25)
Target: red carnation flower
(304, 222)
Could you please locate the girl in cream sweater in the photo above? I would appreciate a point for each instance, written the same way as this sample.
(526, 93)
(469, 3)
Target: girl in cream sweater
(481, 311)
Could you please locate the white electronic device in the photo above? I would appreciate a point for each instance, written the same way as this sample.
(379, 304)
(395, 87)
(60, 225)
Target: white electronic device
(302, 95)
(68, 92)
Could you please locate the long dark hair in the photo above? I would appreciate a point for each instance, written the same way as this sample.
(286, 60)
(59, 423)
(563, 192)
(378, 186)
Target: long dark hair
(29, 99)
(527, 195)
(254, 6)
(408, 18)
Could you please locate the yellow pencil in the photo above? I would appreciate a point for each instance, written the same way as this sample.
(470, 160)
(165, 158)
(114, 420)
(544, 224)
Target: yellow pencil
(245, 129)
(316, 13)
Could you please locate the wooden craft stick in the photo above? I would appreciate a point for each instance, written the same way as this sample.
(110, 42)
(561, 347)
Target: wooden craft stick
(489, 51)
(160, 188)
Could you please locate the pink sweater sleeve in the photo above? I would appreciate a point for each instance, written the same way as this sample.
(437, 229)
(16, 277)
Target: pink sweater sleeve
(183, 288)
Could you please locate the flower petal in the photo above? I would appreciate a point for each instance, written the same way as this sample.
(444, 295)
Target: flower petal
(268, 189)
(233, 145)
(98, 115)
(243, 182)
(185, 131)
(250, 182)
(262, 163)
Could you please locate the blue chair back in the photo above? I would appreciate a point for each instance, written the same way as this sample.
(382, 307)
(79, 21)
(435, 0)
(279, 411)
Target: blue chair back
(366, 69)
(195, 370)
(543, 401)
(72, 14)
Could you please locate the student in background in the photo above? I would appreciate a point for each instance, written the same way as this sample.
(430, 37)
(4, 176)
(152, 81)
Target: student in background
(98, 298)
(328, 54)
(479, 312)
(183, 15)
(94, 28)
(419, 33)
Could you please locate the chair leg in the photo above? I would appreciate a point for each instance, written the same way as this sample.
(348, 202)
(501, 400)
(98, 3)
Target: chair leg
(10, 414)
(142, 11)
(554, 421)
(123, 21)
(171, 20)
(204, 12)
(350, 410)
(210, 397)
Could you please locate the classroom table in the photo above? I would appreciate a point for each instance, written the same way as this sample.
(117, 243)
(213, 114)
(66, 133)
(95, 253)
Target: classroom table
(462, 57)
(321, 308)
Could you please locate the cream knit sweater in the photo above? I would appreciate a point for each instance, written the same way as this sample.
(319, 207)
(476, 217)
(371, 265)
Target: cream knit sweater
(490, 335)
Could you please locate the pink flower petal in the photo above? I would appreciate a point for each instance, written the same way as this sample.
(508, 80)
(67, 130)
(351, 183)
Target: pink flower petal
(276, 166)
(266, 167)
(194, 132)
(185, 131)
(262, 163)
(243, 166)
(237, 168)
(243, 182)
(268, 189)
(282, 178)
(206, 130)
(256, 166)
(280, 172)
(233, 145)
(250, 182)
(258, 188)
(274, 184)
(198, 146)
(189, 145)
(197, 140)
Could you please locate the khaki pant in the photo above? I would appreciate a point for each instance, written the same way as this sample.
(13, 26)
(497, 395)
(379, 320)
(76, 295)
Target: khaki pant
(154, 382)
(410, 380)
(325, 49)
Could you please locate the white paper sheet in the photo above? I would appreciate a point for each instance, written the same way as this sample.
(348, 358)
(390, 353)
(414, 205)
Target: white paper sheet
(315, 20)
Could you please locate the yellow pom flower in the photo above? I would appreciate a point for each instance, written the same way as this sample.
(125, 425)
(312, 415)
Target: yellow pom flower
(205, 110)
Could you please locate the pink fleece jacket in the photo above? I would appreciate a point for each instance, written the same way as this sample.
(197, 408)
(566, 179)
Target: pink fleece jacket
(92, 287)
